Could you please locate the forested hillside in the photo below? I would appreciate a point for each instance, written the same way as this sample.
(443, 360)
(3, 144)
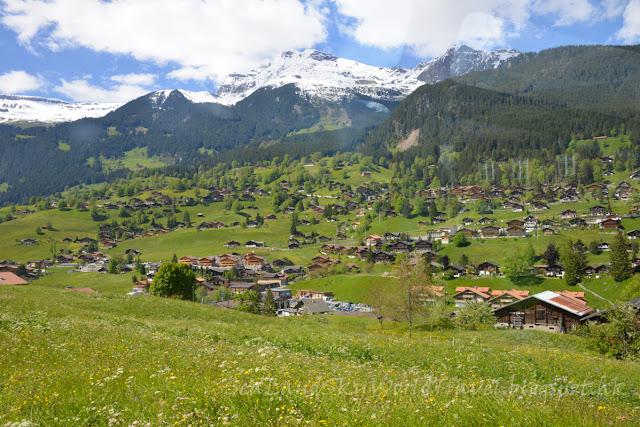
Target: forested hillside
(530, 109)
(603, 78)
(178, 131)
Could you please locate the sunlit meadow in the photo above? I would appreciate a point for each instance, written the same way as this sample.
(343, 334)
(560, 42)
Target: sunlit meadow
(71, 359)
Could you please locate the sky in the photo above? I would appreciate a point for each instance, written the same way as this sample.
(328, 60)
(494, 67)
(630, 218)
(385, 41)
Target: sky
(117, 50)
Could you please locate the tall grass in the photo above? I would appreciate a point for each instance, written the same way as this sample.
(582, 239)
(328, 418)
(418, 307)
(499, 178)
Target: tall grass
(72, 359)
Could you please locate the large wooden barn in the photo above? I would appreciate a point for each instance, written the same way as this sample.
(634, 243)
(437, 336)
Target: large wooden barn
(547, 310)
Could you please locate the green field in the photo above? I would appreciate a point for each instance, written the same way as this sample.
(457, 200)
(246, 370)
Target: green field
(348, 288)
(134, 160)
(72, 359)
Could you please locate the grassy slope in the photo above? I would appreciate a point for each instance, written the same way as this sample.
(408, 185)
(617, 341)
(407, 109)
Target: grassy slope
(73, 359)
(352, 288)
(133, 160)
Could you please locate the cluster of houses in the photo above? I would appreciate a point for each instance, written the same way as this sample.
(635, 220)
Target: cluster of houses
(12, 269)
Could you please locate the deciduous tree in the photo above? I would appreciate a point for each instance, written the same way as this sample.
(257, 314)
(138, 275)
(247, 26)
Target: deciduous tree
(174, 281)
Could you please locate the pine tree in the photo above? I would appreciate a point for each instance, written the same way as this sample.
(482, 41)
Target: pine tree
(433, 211)
(269, 304)
(551, 255)
(574, 264)
(174, 259)
(186, 219)
(370, 258)
(464, 259)
(619, 258)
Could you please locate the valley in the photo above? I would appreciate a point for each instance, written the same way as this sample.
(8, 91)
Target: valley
(326, 242)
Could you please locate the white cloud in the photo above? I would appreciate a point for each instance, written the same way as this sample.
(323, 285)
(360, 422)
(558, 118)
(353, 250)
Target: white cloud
(630, 31)
(134, 79)
(613, 8)
(206, 38)
(19, 82)
(82, 91)
(566, 12)
(429, 27)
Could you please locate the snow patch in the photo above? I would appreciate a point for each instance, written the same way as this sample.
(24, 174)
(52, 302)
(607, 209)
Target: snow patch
(15, 108)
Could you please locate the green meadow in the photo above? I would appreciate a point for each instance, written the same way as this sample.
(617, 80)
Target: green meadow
(71, 359)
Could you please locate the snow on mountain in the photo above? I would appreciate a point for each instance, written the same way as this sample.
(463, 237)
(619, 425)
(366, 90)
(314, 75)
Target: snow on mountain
(461, 60)
(332, 78)
(158, 98)
(33, 109)
(317, 74)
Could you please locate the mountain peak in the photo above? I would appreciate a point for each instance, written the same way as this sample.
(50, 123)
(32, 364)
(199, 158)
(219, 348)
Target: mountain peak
(326, 76)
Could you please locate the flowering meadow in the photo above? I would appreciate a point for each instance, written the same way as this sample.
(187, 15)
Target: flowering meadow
(69, 359)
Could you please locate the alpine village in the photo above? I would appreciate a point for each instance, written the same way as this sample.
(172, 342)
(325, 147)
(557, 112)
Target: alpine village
(466, 254)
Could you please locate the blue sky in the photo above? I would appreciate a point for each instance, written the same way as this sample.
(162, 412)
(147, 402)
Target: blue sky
(114, 51)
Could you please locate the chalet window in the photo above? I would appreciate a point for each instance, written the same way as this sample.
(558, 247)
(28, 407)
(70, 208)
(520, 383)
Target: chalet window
(541, 314)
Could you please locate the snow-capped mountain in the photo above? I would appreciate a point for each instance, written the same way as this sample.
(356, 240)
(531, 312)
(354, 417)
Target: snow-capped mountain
(332, 78)
(158, 98)
(317, 74)
(461, 60)
(42, 110)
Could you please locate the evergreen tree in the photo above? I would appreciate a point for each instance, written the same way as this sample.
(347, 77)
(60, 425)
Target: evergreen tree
(114, 266)
(269, 304)
(464, 259)
(370, 257)
(619, 258)
(433, 211)
(551, 254)
(186, 218)
(574, 264)
(174, 259)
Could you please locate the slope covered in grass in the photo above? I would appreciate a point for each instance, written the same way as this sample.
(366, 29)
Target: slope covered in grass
(72, 359)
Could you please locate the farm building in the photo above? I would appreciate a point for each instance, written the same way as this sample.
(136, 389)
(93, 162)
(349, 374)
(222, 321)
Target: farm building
(548, 311)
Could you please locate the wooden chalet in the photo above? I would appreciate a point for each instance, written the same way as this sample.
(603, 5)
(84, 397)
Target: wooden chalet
(500, 298)
(633, 234)
(188, 259)
(468, 232)
(515, 223)
(488, 268)
(486, 220)
(516, 231)
(383, 258)
(549, 311)
(253, 261)
(490, 231)
(468, 294)
(423, 246)
(227, 261)
(429, 294)
(610, 224)
(596, 270)
(402, 247)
